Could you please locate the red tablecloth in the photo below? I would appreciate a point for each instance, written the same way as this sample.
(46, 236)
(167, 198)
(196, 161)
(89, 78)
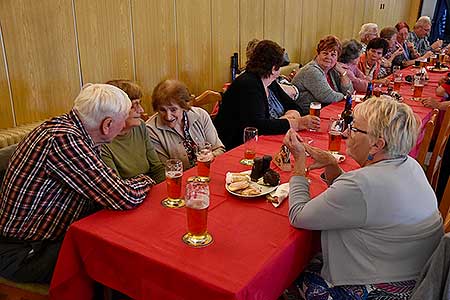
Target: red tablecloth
(255, 254)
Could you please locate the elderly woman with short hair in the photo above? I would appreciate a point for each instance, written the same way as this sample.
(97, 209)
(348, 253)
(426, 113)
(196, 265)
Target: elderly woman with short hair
(394, 50)
(351, 51)
(177, 128)
(368, 32)
(255, 99)
(370, 61)
(379, 223)
(323, 79)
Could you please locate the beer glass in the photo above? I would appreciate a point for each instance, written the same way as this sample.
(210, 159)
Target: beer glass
(314, 110)
(197, 203)
(335, 129)
(250, 141)
(204, 155)
(397, 81)
(418, 87)
(174, 175)
(433, 59)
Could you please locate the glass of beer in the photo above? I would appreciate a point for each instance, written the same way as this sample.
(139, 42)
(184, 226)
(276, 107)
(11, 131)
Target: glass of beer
(204, 155)
(174, 175)
(335, 135)
(397, 81)
(250, 141)
(441, 57)
(197, 203)
(314, 110)
(423, 63)
(418, 87)
(433, 59)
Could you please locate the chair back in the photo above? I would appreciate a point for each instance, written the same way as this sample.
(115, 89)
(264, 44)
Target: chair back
(210, 99)
(438, 151)
(427, 136)
(445, 205)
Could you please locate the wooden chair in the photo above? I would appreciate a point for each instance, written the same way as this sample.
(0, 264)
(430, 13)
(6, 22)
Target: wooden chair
(438, 151)
(209, 99)
(428, 135)
(444, 207)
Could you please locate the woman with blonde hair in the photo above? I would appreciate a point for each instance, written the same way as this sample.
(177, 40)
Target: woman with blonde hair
(379, 223)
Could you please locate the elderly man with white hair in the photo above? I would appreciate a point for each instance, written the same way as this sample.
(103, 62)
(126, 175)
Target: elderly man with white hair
(56, 177)
(368, 32)
(419, 36)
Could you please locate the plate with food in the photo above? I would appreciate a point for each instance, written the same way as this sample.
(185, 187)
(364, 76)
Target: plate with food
(240, 184)
(439, 70)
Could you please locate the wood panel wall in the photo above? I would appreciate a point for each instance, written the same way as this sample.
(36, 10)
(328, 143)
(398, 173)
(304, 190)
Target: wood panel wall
(50, 48)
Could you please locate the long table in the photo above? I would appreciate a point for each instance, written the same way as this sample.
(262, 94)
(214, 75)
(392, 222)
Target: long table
(255, 254)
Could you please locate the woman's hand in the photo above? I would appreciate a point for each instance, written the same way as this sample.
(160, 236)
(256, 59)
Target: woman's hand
(291, 114)
(293, 142)
(321, 157)
(308, 122)
(430, 102)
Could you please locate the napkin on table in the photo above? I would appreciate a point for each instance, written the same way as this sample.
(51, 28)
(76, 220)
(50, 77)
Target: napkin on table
(277, 196)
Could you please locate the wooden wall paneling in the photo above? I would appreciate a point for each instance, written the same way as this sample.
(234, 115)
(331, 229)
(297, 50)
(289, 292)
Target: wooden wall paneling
(324, 15)
(309, 30)
(41, 53)
(155, 44)
(369, 10)
(413, 12)
(341, 20)
(194, 44)
(6, 112)
(225, 39)
(358, 18)
(251, 24)
(293, 29)
(274, 15)
(104, 38)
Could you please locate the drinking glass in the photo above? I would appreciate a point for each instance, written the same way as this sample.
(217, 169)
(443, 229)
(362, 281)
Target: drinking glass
(397, 81)
(433, 59)
(250, 141)
(174, 175)
(204, 155)
(314, 110)
(335, 130)
(418, 87)
(197, 203)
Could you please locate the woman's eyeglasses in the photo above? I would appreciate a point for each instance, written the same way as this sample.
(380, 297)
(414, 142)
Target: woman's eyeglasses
(352, 128)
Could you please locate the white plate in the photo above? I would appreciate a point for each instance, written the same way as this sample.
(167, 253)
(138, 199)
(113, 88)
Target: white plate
(441, 70)
(263, 188)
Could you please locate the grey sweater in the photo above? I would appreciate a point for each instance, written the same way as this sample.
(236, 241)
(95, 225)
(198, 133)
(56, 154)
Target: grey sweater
(379, 223)
(311, 82)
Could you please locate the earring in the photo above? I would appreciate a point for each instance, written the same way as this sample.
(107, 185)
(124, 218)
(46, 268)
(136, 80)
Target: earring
(370, 157)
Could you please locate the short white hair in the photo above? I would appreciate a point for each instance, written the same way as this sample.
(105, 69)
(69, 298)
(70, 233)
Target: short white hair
(367, 28)
(423, 20)
(95, 102)
(393, 121)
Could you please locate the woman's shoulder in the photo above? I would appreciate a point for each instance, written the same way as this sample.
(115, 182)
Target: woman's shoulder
(311, 68)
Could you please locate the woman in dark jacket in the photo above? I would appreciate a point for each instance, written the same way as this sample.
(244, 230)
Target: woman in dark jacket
(255, 99)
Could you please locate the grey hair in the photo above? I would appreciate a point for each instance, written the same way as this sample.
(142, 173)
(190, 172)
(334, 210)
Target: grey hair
(422, 21)
(351, 49)
(97, 101)
(393, 121)
(367, 28)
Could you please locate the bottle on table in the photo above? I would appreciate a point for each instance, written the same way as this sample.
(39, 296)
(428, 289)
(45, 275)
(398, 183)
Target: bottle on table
(347, 114)
(234, 66)
(369, 91)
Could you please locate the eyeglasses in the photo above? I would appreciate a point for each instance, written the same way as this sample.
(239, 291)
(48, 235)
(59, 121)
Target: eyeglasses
(352, 128)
